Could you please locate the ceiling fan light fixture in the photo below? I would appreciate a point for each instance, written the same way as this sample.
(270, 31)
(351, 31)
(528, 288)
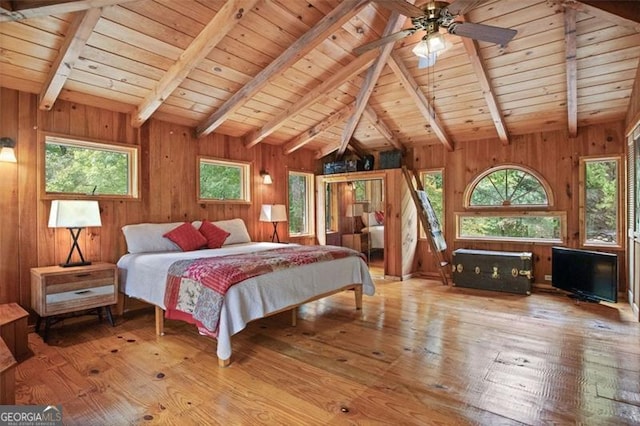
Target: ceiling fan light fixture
(429, 45)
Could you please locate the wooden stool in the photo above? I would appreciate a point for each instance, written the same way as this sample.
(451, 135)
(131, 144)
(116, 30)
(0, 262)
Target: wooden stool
(13, 328)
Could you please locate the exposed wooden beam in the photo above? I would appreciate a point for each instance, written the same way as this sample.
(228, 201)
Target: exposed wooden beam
(314, 95)
(572, 70)
(393, 25)
(312, 38)
(382, 127)
(309, 135)
(226, 18)
(412, 88)
(623, 13)
(54, 9)
(79, 32)
(471, 46)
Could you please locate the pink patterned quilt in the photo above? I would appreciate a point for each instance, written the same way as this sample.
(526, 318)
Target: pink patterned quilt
(196, 287)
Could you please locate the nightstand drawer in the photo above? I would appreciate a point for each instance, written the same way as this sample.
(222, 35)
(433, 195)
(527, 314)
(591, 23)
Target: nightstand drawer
(92, 278)
(85, 298)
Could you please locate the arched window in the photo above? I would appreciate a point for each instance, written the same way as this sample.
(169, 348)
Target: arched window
(510, 203)
(508, 186)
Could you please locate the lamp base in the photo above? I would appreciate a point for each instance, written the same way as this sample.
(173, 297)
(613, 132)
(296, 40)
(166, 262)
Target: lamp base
(68, 265)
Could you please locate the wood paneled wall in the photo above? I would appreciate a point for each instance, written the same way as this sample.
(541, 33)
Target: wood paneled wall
(168, 187)
(554, 155)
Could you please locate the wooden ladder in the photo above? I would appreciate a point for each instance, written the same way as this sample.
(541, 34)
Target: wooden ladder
(439, 249)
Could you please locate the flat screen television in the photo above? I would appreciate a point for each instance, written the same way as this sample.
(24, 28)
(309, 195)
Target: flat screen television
(588, 275)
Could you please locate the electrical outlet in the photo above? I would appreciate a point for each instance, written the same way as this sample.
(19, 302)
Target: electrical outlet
(547, 277)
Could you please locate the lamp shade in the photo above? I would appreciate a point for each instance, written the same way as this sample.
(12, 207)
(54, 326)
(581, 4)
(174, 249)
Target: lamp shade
(74, 214)
(8, 155)
(273, 213)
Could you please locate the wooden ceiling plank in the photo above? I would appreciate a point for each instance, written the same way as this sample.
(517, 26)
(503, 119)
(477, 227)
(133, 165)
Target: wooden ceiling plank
(315, 131)
(396, 20)
(420, 100)
(622, 13)
(228, 16)
(336, 18)
(79, 32)
(382, 127)
(55, 9)
(572, 71)
(312, 96)
(471, 46)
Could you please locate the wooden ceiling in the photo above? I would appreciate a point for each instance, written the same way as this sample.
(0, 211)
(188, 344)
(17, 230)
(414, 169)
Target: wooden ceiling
(283, 72)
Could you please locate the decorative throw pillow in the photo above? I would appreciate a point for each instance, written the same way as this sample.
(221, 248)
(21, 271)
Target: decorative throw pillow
(379, 217)
(215, 236)
(149, 237)
(186, 237)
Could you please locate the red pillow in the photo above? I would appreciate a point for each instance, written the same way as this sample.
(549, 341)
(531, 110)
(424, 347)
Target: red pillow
(379, 217)
(186, 237)
(214, 235)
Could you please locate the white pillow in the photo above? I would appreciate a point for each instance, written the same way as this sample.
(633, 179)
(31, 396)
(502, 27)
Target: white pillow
(148, 237)
(236, 228)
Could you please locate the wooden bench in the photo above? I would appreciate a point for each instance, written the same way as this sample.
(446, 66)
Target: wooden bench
(13, 328)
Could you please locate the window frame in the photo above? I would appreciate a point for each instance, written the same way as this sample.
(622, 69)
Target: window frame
(511, 210)
(560, 214)
(619, 200)
(310, 179)
(246, 172)
(133, 170)
(421, 173)
(545, 185)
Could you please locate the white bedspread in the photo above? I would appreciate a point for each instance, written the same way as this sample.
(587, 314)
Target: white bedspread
(144, 276)
(376, 236)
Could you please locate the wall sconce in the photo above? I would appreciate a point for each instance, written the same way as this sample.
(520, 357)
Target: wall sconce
(266, 177)
(7, 152)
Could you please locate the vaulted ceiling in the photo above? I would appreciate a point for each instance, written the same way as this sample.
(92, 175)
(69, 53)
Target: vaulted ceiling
(284, 72)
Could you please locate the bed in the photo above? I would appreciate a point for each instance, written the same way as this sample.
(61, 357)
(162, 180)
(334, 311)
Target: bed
(144, 274)
(374, 226)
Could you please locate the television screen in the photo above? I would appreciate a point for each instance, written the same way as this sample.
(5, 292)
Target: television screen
(589, 275)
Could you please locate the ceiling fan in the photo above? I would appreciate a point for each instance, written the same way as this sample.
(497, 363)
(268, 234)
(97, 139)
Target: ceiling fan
(430, 18)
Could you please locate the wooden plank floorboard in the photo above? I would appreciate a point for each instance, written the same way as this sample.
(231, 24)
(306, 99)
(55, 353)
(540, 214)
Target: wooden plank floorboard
(418, 353)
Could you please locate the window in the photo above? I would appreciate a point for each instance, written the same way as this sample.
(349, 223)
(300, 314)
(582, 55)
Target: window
(223, 180)
(508, 186)
(301, 203)
(512, 204)
(81, 167)
(600, 201)
(433, 183)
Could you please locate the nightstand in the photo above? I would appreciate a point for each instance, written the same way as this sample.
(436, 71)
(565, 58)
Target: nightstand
(358, 242)
(56, 291)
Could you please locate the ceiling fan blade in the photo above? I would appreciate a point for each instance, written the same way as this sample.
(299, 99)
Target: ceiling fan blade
(384, 40)
(482, 32)
(402, 7)
(460, 7)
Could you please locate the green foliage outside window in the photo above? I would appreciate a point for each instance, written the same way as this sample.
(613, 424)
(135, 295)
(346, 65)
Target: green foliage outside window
(360, 190)
(299, 203)
(220, 181)
(601, 201)
(93, 169)
(507, 187)
(433, 186)
(511, 227)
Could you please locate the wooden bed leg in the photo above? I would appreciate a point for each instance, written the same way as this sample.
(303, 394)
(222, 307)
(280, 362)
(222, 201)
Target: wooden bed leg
(159, 321)
(224, 362)
(294, 316)
(358, 293)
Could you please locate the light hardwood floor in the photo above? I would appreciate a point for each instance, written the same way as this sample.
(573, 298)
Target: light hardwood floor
(418, 353)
